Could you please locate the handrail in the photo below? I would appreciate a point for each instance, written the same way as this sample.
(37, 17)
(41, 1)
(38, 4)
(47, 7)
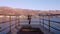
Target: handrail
(8, 26)
(51, 21)
(7, 21)
(52, 27)
(50, 15)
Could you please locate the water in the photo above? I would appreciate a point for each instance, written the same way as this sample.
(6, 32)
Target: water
(35, 21)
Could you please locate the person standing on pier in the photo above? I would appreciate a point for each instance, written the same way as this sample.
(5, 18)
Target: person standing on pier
(29, 18)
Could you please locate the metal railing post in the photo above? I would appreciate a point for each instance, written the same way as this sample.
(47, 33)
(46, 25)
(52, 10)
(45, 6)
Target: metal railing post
(10, 24)
(43, 21)
(0, 29)
(49, 22)
(15, 21)
(40, 19)
(18, 21)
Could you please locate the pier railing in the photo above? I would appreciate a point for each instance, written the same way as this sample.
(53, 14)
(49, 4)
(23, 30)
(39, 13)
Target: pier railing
(49, 21)
(10, 25)
(7, 26)
(43, 22)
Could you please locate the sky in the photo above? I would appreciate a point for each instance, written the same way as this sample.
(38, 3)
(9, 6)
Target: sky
(32, 4)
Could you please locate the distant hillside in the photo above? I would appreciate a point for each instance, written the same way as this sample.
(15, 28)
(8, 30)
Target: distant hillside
(18, 11)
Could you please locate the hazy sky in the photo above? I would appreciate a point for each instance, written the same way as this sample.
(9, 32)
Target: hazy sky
(32, 4)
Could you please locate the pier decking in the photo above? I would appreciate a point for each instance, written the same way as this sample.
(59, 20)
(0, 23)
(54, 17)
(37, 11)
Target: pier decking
(29, 30)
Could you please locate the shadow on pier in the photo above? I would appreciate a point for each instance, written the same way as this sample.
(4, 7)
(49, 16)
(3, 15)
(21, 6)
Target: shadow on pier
(29, 30)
